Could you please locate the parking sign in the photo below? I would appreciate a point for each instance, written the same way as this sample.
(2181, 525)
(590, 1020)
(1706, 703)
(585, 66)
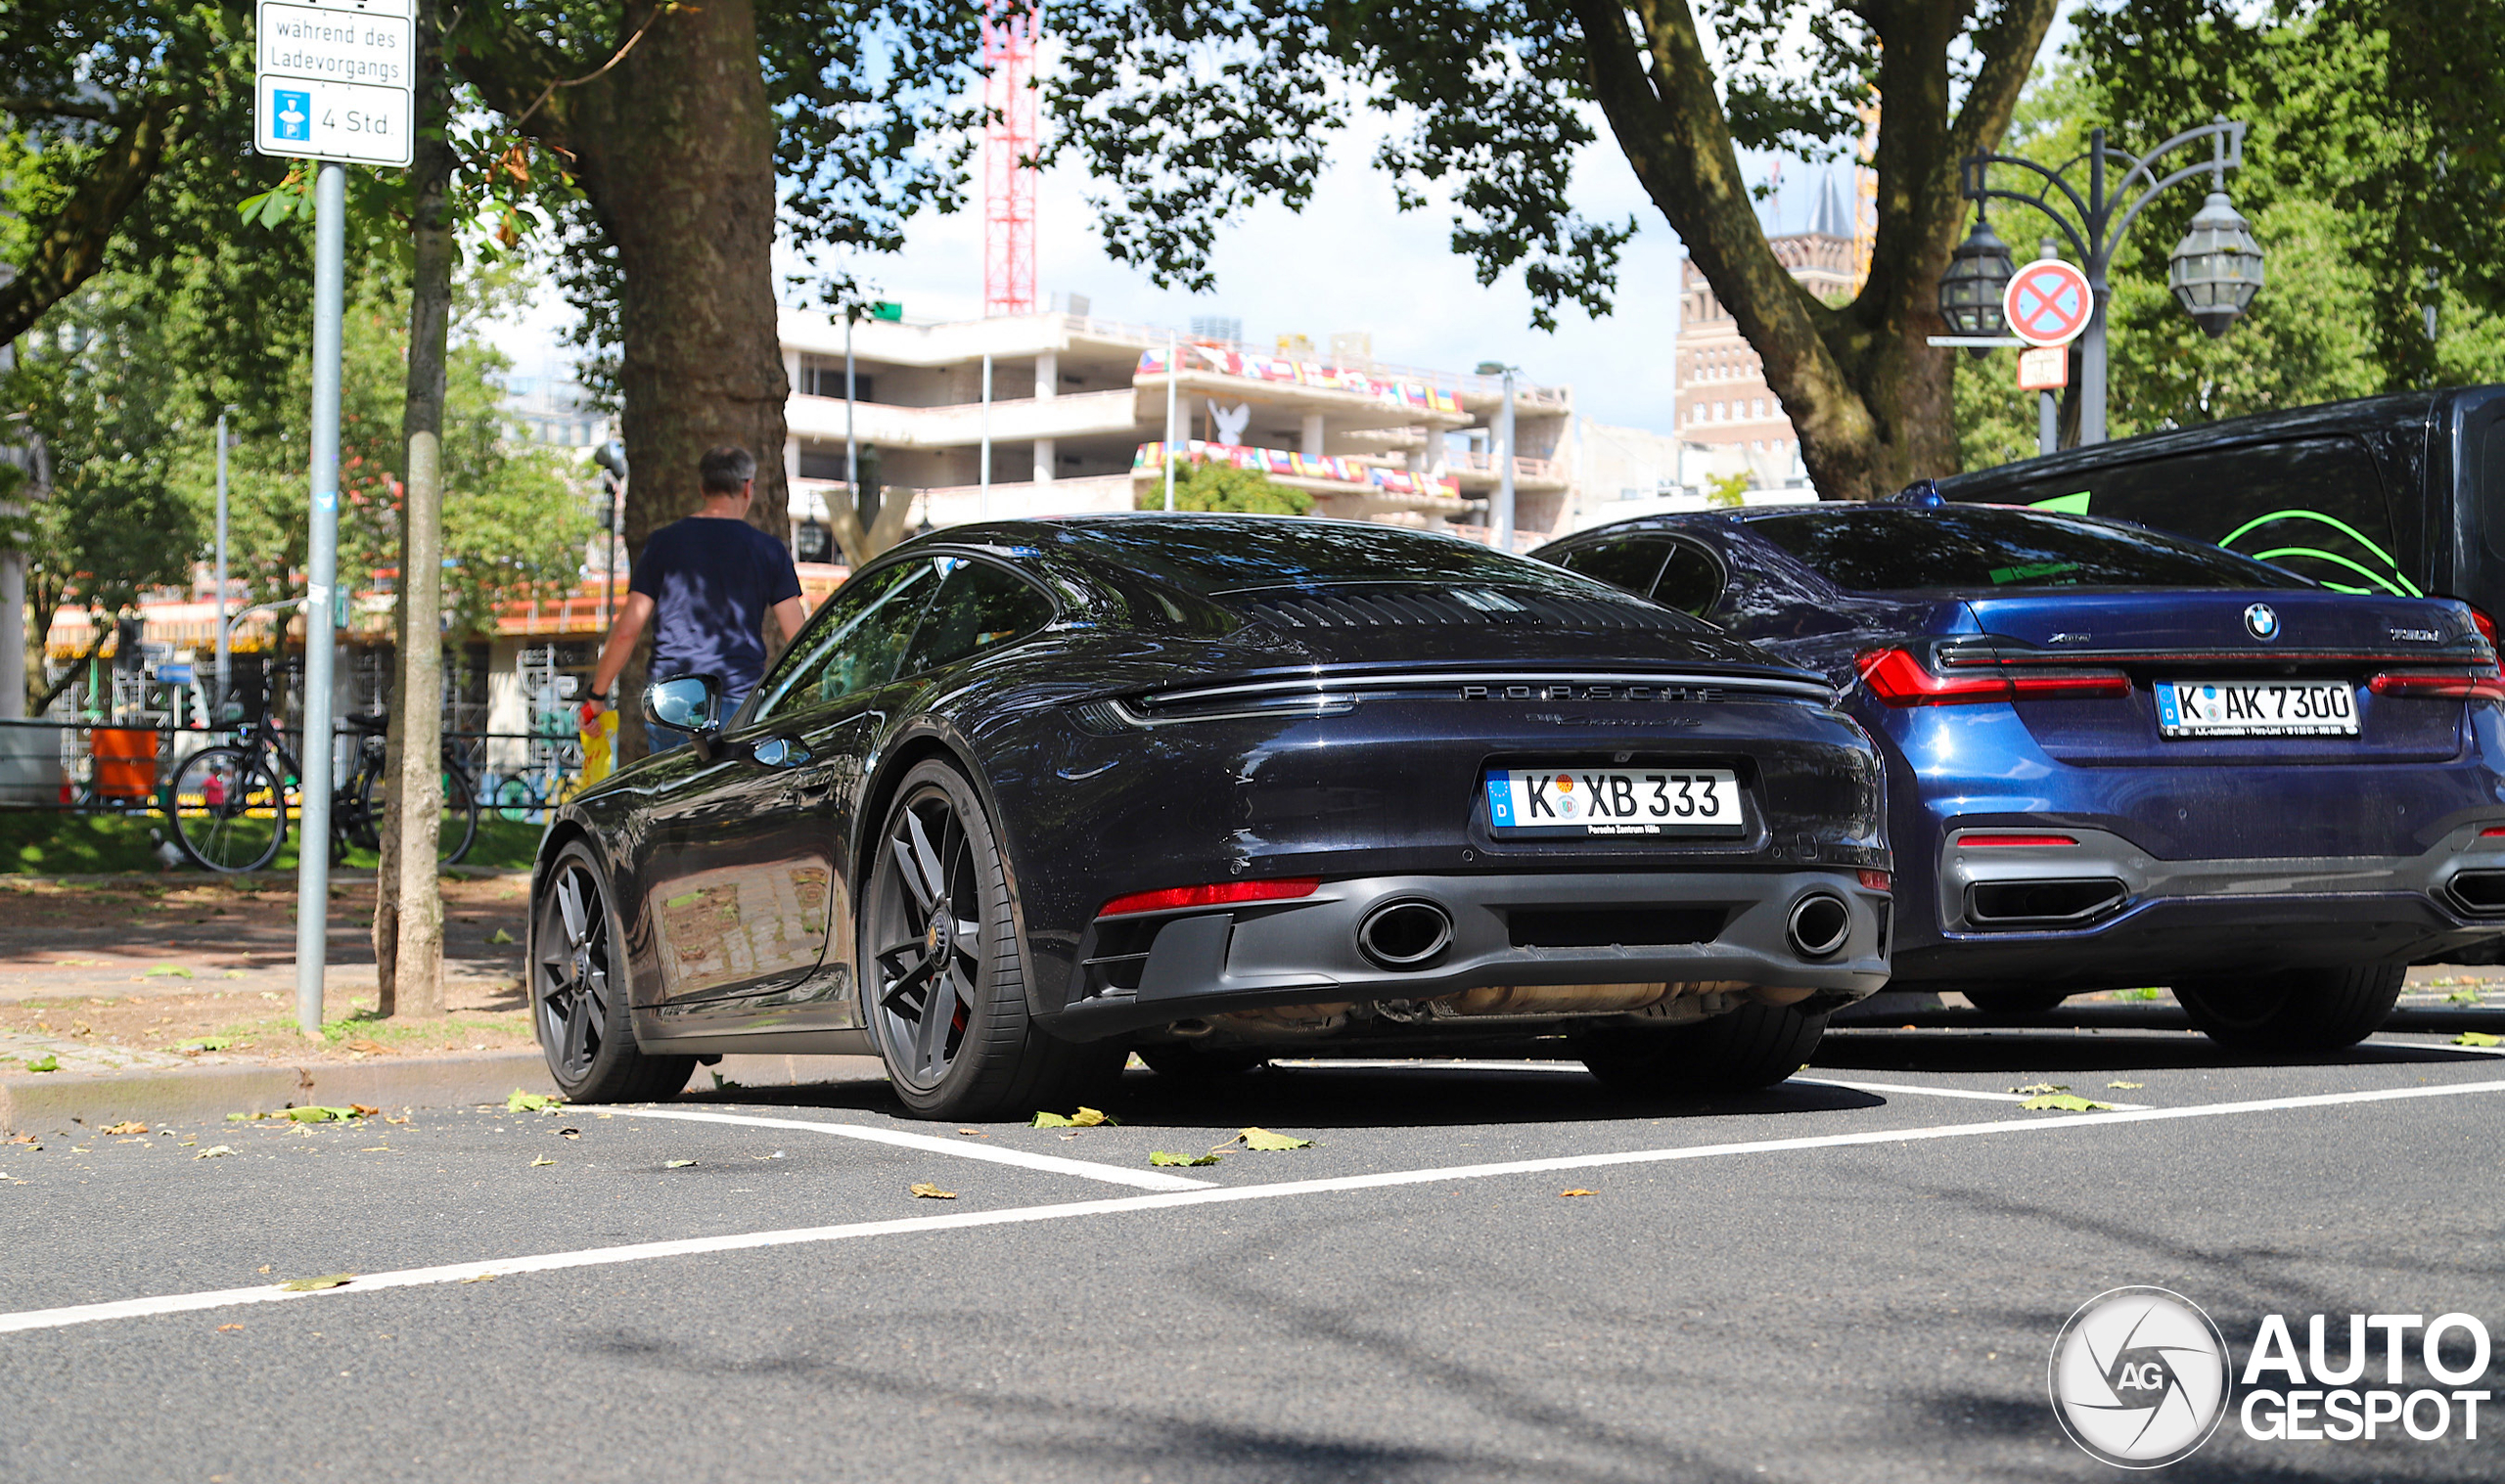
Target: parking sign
(335, 80)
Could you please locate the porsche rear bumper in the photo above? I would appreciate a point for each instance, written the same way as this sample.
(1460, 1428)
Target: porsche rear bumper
(1729, 928)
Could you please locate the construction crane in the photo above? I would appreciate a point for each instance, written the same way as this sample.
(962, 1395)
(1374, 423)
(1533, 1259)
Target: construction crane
(1008, 172)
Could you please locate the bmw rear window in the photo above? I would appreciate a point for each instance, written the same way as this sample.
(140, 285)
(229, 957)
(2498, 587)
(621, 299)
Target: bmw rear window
(1894, 549)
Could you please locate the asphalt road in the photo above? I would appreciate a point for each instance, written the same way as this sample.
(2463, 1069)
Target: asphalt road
(1857, 1275)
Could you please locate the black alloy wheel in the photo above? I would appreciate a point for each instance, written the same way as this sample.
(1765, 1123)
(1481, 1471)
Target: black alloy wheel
(2295, 1010)
(579, 995)
(1756, 1046)
(944, 987)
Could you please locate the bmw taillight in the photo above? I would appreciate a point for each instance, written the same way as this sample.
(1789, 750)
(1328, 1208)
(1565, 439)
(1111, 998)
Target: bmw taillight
(1899, 678)
(2487, 631)
(2485, 686)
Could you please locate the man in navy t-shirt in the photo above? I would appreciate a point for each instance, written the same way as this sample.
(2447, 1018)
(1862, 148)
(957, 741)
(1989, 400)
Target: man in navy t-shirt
(710, 580)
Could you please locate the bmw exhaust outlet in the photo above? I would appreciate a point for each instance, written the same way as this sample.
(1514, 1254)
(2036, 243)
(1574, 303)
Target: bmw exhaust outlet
(1408, 934)
(1818, 925)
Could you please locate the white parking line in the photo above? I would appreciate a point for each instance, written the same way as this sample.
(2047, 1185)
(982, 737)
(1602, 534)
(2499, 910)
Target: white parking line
(1950, 1091)
(1146, 1180)
(410, 1278)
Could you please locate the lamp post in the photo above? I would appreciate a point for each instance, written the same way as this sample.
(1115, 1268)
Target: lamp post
(1500, 520)
(2215, 271)
(611, 459)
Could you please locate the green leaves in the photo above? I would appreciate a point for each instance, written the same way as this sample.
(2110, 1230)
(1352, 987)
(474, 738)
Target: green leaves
(317, 1285)
(2064, 1102)
(1266, 1142)
(1085, 1118)
(1160, 1158)
(2478, 1037)
(167, 972)
(47, 1062)
(520, 1102)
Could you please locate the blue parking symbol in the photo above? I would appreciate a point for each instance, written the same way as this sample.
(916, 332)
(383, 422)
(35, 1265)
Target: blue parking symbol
(290, 115)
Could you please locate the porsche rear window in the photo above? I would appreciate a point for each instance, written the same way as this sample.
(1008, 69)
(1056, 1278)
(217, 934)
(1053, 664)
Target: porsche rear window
(1879, 549)
(1225, 557)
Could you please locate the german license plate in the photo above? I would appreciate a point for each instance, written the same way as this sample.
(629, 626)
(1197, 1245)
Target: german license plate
(1561, 801)
(2256, 708)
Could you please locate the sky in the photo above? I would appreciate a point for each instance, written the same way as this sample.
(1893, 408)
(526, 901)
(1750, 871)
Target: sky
(1350, 261)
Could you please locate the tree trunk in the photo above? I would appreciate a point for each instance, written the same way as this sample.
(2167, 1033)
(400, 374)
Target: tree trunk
(1865, 392)
(673, 144)
(408, 902)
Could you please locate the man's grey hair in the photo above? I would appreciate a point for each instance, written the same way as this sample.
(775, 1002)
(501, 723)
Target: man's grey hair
(725, 468)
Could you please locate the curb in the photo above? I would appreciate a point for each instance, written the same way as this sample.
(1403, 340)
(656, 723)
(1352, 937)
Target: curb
(51, 1100)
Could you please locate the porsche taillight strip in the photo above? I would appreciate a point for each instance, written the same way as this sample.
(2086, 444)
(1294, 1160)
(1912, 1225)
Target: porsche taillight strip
(1496, 684)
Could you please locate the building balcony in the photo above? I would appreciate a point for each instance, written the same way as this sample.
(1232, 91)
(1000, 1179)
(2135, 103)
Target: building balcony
(964, 425)
(1476, 473)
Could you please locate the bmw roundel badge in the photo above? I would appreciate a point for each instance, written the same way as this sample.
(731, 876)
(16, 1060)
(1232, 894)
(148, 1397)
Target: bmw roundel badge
(2261, 620)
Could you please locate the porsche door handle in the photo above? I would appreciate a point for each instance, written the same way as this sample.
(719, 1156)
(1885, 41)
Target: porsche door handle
(807, 789)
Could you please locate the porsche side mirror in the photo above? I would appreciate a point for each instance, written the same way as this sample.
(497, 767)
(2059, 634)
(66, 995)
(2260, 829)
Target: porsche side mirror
(690, 703)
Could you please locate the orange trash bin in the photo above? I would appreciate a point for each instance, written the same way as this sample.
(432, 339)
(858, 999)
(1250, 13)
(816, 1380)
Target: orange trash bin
(125, 761)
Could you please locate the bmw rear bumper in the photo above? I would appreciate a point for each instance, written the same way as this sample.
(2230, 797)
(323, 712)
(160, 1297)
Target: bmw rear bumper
(1727, 929)
(2103, 913)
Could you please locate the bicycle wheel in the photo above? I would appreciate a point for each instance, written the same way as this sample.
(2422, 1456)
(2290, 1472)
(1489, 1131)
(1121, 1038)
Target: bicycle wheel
(459, 827)
(515, 800)
(230, 812)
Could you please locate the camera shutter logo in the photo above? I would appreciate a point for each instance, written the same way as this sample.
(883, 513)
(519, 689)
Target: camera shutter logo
(2140, 1377)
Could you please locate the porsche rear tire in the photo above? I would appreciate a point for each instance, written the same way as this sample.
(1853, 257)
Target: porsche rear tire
(578, 993)
(2296, 1009)
(944, 977)
(1756, 1046)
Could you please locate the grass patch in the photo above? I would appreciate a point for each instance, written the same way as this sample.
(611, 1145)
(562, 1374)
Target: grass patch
(55, 842)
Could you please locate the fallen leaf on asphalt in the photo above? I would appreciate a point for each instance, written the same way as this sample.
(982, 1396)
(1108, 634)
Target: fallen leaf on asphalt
(1263, 1139)
(2035, 1089)
(977, 1133)
(1085, 1118)
(928, 1192)
(676, 1164)
(483, 1278)
(322, 1114)
(1159, 1156)
(1577, 1191)
(367, 1047)
(532, 1103)
(167, 972)
(2478, 1037)
(2064, 1102)
(569, 1132)
(536, 1163)
(1051, 1121)
(213, 1151)
(2127, 1086)
(223, 1328)
(46, 1063)
(315, 1284)
(500, 936)
(126, 1128)
(265, 1267)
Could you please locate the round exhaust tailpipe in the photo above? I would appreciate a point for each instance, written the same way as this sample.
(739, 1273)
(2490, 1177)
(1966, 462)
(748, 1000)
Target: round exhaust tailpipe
(1410, 934)
(1818, 926)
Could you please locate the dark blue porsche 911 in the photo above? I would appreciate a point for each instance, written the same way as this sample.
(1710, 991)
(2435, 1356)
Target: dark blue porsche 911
(2120, 758)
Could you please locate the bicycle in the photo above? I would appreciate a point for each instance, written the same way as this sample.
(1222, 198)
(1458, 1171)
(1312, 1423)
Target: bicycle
(231, 803)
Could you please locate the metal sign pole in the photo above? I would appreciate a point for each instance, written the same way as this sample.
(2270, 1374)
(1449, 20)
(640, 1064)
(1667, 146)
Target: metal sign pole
(314, 837)
(225, 670)
(1173, 371)
(1503, 534)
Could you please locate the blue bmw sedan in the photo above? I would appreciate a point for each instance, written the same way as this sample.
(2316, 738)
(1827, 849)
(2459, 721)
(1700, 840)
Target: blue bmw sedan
(2120, 758)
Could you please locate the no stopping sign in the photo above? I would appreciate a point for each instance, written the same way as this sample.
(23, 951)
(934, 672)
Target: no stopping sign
(2047, 302)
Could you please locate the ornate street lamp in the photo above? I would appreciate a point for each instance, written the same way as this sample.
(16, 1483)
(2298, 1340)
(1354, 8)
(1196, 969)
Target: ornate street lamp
(2217, 269)
(1978, 273)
